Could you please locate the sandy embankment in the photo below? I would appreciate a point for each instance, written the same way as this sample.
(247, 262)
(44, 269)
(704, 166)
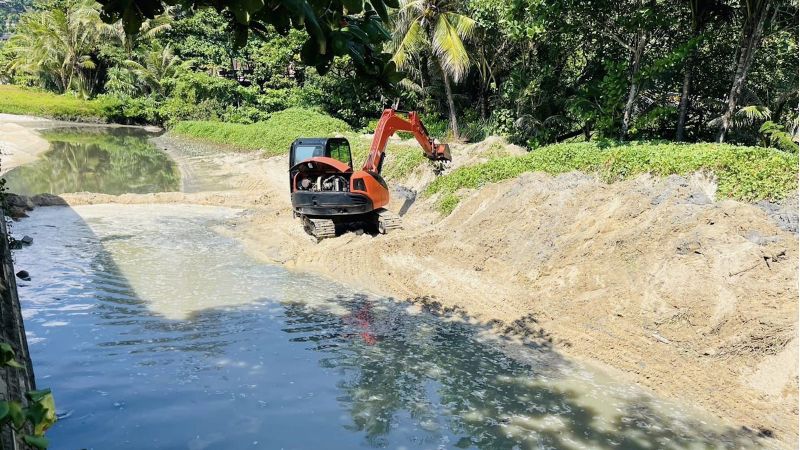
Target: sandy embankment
(19, 144)
(694, 298)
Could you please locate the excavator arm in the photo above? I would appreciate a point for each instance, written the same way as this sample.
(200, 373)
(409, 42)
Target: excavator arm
(391, 123)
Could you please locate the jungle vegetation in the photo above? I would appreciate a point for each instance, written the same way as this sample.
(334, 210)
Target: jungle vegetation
(536, 71)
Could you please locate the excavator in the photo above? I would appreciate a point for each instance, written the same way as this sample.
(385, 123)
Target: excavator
(328, 193)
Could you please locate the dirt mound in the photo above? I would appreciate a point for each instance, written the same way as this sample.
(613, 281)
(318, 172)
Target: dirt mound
(694, 298)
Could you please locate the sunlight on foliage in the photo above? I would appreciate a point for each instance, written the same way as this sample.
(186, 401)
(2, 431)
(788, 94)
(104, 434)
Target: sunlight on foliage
(743, 173)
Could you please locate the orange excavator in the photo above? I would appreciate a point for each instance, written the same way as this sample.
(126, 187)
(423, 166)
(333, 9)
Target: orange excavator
(327, 193)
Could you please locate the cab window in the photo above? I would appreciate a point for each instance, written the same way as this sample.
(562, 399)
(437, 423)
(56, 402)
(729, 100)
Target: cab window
(340, 150)
(303, 152)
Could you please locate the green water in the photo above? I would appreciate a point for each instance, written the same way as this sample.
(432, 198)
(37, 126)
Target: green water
(102, 160)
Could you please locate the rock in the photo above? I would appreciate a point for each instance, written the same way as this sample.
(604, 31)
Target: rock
(24, 275)
(17, 212)
(17, 200)
(688, 247)
(48, 200)
(27, 240)
(756, 238)
(784, 213)
(699, 198)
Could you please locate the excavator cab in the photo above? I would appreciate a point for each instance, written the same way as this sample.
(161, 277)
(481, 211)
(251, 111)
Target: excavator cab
(307, 148)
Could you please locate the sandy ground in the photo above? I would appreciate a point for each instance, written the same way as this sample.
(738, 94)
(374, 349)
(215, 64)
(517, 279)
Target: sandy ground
(694, 298)
(19, 144)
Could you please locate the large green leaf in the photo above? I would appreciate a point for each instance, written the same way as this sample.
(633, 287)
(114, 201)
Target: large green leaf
(16, 415)
(353, 6)
(380, 8)
(7, 356)
(4, 410)
(36, 441)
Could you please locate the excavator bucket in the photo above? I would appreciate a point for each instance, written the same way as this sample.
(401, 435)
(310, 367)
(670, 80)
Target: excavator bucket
(441, 153)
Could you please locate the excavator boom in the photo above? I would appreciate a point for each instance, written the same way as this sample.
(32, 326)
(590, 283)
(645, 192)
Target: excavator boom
(391, 123)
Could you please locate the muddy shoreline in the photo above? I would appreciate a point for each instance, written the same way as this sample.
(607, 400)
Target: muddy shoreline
(642, 276)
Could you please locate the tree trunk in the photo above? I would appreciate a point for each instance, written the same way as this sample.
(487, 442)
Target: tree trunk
(748, 42)
(633, 92)
(450, 104)
(683, 106)
(483, 104)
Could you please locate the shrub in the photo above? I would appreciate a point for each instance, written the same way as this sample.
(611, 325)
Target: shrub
(130, 110)
(743, 173)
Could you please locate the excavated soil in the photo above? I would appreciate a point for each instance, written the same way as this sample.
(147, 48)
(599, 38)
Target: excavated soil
(694, 298)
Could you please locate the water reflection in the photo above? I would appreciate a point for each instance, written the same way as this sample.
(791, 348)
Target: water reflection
(299, 363)
(105, 160)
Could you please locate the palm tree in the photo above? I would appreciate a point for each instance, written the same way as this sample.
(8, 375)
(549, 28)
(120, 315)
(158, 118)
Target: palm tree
(57, 44)
(154, 64)
(150, 29)
(434, 26)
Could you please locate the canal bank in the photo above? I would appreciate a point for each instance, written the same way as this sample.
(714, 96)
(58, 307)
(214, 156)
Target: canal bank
(641, 333)
(14, 382)
(145, 317)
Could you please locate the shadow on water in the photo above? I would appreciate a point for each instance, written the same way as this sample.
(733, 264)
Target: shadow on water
(105, 160)
(341, 371)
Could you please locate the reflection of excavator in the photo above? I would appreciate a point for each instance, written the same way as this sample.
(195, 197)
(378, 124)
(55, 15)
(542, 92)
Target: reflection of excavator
(327, 192)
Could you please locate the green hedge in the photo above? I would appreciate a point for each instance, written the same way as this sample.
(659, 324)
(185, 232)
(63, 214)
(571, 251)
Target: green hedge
(743, 173)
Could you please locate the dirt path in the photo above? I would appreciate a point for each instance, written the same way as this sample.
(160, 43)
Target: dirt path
(693, 298)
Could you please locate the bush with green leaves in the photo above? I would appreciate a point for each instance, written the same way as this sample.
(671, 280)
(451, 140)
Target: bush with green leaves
(39, 414)
(743, 173)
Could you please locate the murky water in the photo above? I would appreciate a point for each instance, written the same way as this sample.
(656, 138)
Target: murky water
(102, 160)
(156, 332)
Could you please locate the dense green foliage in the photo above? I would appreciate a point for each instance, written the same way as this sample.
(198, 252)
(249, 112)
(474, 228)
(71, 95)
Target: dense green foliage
(10, 11)
(744, 173)
(537, 72)
(353, 28)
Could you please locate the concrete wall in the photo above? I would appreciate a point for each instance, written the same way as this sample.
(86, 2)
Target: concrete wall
(13, 382)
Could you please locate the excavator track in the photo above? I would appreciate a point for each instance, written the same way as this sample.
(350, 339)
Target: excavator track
(319, 228)
(388, 221)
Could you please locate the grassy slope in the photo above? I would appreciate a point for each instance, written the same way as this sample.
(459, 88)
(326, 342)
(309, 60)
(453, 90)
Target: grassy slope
(272, 136)
(275, 135)
(743, 173)
(17, 100)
